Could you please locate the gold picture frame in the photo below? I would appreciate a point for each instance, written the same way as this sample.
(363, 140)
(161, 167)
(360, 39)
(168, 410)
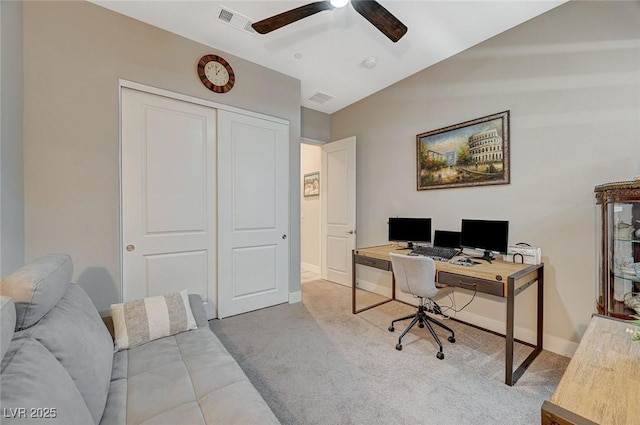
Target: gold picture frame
(472, 153)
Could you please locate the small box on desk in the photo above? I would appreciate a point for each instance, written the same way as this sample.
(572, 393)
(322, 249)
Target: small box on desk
(523, 254)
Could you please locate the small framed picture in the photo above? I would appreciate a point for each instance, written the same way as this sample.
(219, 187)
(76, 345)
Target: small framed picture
(312, 184)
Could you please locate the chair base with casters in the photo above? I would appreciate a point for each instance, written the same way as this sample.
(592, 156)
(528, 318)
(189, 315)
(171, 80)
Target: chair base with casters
(422, 319)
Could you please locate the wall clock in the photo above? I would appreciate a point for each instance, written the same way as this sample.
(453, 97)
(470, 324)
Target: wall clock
(216, 74)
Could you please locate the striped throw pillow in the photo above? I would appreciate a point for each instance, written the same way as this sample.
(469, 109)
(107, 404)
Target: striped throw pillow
(140, 321)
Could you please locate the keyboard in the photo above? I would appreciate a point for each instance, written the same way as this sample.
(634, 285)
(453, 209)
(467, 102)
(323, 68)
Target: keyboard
(438, 253)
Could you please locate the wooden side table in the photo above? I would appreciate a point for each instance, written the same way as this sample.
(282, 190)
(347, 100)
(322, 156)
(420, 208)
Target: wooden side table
(602, 382)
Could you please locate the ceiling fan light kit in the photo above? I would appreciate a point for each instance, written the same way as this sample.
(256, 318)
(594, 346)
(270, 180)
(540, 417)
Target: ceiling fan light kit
(339, 3)
(371, 10)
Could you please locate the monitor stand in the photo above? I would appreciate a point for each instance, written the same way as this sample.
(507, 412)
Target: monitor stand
(487, 256)
(409, 245)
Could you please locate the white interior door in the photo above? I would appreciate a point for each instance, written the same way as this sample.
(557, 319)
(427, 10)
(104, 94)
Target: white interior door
(168, 197)
(253, 213)
(338, 198)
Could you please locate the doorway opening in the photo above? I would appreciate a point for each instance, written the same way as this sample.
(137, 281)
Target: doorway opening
(332, 204)
(310, 212)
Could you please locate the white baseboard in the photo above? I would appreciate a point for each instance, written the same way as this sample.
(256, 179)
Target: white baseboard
(308, 267)
(559, 345)
(295, 297)
(549, 342)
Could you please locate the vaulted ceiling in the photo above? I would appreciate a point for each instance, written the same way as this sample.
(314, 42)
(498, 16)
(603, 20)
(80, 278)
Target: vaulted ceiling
(328, 51)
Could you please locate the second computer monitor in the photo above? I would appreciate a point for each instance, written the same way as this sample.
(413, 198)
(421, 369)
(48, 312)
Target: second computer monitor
(485, 235)
(410, 230)
(446, 239)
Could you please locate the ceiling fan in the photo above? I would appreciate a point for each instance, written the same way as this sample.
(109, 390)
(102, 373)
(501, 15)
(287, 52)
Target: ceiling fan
(372, 11)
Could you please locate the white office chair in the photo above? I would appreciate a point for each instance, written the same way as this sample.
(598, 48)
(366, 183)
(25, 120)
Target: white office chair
(416, 275)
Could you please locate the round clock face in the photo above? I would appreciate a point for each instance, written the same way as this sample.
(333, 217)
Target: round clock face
(216, 73)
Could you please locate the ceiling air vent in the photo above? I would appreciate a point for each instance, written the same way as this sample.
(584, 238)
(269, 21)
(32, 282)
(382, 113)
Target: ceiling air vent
(236, 20)
(225, 15)
(320, 97)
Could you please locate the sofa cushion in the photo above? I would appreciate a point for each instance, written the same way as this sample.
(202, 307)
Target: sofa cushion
(140, 321)
(115, 411)
(37, 389)
(36, 287)
(191, 374)
(190, 378)
(7, 322)
(75, 334)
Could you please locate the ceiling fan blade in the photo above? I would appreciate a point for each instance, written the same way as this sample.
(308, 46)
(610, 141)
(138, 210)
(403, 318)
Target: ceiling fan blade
(381, 18)
(278, 21)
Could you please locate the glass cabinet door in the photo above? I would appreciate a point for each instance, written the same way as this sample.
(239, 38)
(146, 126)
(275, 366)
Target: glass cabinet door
(618, 233)
(624, 261)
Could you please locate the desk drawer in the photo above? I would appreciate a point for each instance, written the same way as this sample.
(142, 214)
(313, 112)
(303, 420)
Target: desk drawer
(373, 262)
(469, 282)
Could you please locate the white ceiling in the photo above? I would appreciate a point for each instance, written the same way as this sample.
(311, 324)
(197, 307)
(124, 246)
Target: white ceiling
(326, 51)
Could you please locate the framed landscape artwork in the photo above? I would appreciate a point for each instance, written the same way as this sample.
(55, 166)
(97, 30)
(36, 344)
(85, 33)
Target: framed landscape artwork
(472, 153)
(312, 184)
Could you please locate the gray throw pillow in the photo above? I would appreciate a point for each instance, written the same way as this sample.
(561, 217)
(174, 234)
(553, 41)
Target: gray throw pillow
(140, 321)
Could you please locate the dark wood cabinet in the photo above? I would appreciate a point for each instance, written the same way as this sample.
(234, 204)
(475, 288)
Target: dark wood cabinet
(618, 229)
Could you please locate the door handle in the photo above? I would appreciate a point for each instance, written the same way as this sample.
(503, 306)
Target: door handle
(284, 236)
(351, 232)
(130, 248)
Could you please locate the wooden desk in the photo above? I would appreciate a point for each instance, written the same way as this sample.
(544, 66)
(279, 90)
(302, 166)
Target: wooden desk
(501, 279)
(600, 385)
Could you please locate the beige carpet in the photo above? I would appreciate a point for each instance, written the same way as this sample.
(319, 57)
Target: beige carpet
(316, 363)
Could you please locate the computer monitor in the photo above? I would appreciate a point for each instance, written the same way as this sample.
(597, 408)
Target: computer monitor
(410, 230)
(485, 235)
(446, 239)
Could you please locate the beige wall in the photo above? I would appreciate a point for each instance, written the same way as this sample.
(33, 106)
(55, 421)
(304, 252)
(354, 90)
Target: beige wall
(11, 163)
(310, 209)
(316, 125)
(571, 79)
(74, 55)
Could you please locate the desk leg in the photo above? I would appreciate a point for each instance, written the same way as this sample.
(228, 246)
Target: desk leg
(353, 282)
(511, 375)
(355, 310)
(540, 307)
(509, 334)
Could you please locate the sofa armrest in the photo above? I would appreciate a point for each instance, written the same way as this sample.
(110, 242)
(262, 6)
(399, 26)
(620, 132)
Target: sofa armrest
(197, 308)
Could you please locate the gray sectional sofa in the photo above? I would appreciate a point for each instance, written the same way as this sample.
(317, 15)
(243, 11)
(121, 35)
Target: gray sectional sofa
(59, 364)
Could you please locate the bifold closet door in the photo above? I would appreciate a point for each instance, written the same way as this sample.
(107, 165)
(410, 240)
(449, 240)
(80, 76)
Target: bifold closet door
(168, 197)
(253, 213)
